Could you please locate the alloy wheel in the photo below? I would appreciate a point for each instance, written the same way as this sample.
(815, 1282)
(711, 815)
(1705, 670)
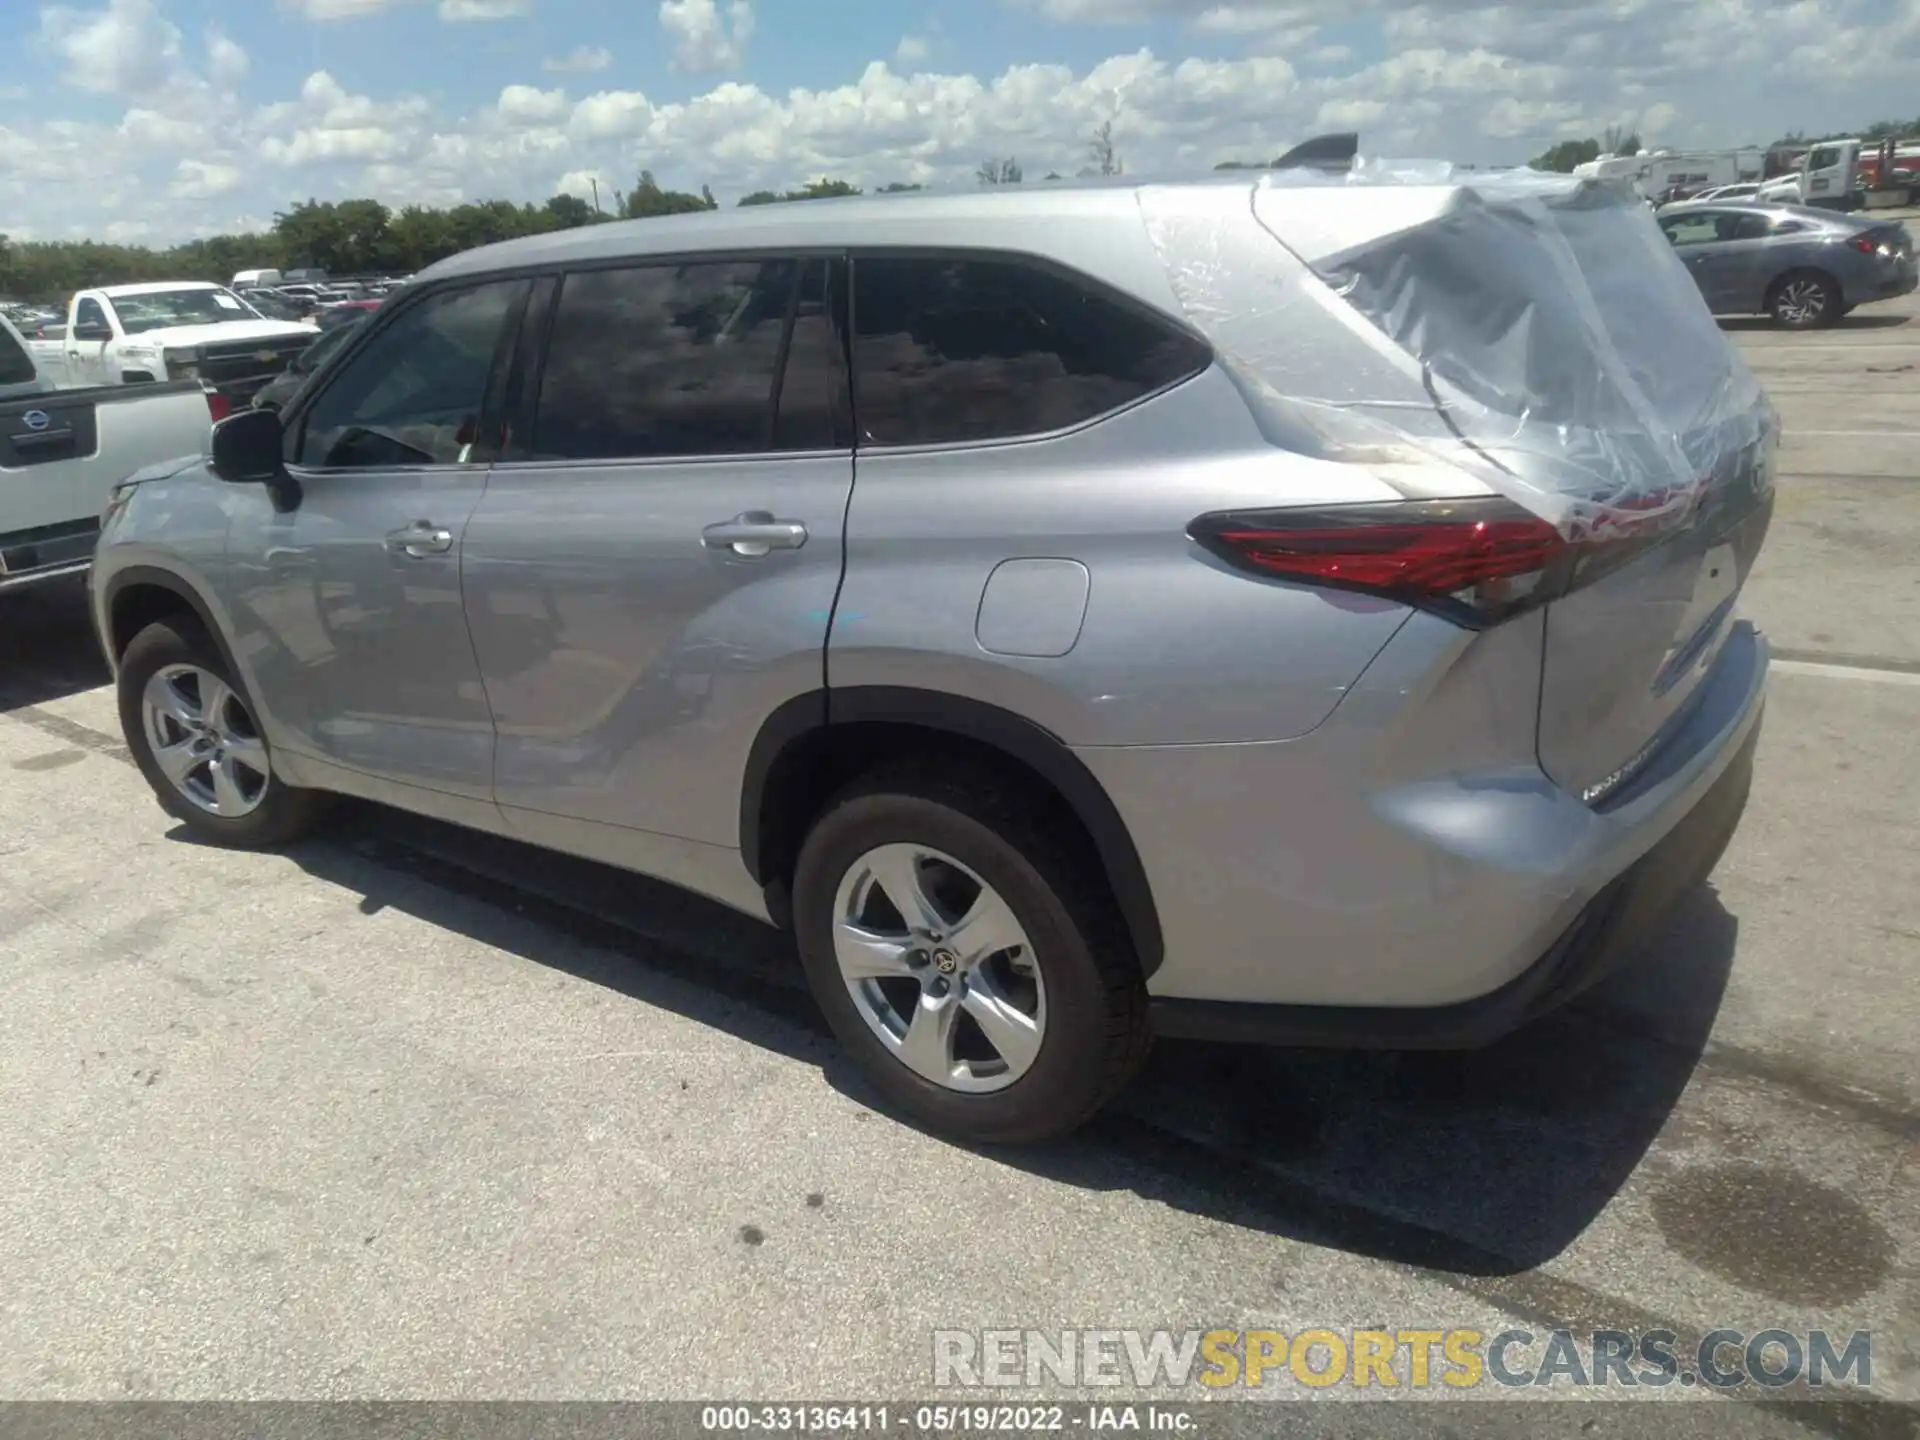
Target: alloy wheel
(204, 741)
(939, 968)
(1802, 301)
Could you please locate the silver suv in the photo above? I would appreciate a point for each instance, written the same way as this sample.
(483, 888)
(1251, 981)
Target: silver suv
(1268, 610)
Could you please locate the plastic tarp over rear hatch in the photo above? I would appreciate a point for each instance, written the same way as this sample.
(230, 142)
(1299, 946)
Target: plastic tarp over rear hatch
(1529, 335)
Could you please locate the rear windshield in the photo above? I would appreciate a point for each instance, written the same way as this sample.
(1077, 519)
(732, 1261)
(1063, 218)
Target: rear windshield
(16, 365)
(1565, 311)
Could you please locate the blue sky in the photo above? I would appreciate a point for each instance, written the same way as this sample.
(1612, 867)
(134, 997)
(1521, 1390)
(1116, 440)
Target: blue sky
(203, 116)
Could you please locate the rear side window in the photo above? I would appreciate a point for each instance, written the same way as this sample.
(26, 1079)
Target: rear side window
(949, 350)
(413, 395)
(712, 358)
(90, 312)
(16, 365)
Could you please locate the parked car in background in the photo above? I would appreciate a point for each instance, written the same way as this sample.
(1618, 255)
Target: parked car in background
(344, 312)
(1745, 190)
(1244, 698)
(1805, 267)
(275, 394)
(170, 330)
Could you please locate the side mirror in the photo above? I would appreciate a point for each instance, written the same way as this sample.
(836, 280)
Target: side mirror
(246, 451)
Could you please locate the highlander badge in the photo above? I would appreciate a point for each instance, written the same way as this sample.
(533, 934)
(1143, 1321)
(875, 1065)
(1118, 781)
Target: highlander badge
(266, 357)
(36, 419)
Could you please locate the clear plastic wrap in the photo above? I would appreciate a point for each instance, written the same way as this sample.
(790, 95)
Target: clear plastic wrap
(1535, 332)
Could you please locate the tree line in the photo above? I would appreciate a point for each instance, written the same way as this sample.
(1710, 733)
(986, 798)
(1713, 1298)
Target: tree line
(365, 237)
(1569, 153)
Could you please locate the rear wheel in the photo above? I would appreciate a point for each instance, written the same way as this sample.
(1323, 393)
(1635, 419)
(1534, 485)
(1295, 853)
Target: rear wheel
(966, 958)
(193, 734)
(1804, 300)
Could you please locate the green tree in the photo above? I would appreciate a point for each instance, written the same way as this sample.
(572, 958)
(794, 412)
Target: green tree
(1106, 159)
(647, 200)
(568, 211)
(999, 172)
(821, 189)
(1567, 154)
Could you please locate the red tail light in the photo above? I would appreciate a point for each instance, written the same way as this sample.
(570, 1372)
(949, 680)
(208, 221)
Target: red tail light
(1474, 561)
(1865, 244)
(218, 406)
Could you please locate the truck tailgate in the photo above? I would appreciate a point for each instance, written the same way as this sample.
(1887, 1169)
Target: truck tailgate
(62, 452)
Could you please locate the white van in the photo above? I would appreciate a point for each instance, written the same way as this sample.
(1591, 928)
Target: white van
(247, 279)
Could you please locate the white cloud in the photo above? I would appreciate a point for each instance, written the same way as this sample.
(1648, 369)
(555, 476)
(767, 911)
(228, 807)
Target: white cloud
(460, 11)
(524, 105)
(126, 49)
(706, 38)
(611, 113)
(454, 12)
(585, 60)
(167, 138)
(340, 9)
(199, 180)
(227, 63)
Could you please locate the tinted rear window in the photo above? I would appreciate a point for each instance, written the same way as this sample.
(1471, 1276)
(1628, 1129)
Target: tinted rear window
(949, 350)
(715, 358)
(16, 365)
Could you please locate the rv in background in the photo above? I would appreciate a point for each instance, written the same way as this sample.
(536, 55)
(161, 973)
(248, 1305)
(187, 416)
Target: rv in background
(1663, 176)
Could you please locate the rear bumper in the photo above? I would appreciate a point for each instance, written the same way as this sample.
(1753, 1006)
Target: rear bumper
(1378, 878)
(1609, 931)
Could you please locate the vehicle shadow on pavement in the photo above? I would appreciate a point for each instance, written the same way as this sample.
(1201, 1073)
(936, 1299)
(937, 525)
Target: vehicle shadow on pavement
(47, 647)
(1485, 1163)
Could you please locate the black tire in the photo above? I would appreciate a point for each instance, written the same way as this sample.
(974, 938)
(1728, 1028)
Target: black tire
(1805, 300)
(283, 814)
(1096, 1033)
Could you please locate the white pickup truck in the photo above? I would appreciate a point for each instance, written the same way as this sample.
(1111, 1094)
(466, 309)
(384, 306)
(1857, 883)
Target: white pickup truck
(171, 330)
(63, 450)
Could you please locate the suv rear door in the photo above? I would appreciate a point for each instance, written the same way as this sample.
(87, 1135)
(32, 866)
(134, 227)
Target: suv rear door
(653, 567)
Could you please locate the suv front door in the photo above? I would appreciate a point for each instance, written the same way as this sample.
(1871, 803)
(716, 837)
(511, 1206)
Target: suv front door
(654, 565)
(349, 603)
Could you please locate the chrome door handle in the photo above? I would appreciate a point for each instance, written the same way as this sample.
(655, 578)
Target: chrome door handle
(420, 539)
(753, 534)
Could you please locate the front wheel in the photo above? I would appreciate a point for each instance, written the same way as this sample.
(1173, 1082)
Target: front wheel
(1804, 300)
(963, 954)
(195, 738)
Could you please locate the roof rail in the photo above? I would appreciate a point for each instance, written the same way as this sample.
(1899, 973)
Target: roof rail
(1322, 152)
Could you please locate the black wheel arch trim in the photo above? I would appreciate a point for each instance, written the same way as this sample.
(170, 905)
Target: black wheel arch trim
(1019, 738)
(184, 590)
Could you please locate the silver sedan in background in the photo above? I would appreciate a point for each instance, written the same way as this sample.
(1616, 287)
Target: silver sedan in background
(1804, 267)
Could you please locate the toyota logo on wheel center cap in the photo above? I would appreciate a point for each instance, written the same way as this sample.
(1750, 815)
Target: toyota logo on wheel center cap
(945, 961)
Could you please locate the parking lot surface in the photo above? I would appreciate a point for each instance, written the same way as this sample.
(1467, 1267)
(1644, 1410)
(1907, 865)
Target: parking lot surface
(412, 1113)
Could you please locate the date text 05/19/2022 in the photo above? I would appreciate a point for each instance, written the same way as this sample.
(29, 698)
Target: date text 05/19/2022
(962, 1419)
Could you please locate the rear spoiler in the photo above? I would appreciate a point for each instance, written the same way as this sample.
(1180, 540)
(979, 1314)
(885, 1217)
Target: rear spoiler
(1322, 152)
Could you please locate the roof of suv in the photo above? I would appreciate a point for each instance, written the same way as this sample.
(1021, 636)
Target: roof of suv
(940, 217)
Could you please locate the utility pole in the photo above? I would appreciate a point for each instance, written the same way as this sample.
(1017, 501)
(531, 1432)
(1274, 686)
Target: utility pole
(595, 182)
